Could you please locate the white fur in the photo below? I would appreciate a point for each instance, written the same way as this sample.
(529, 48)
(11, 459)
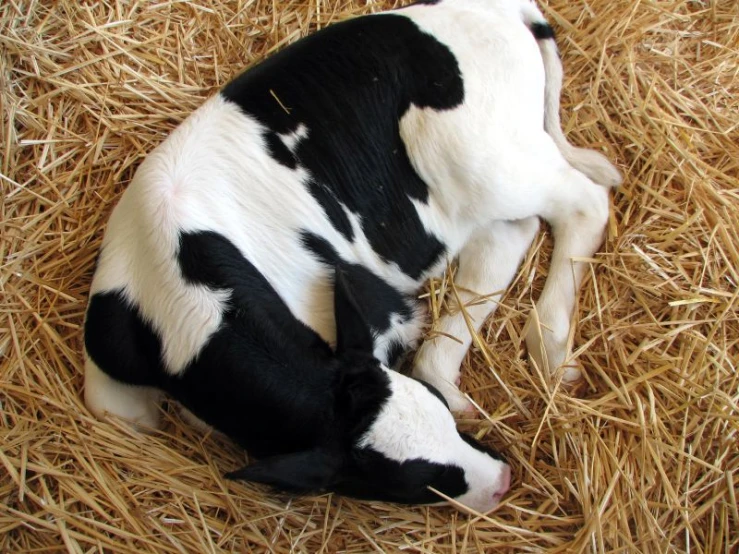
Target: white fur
(493, 165)
(104, 395)
(487, 264)
(413, 424)
(591, 163)
(490, 161)
(291, 140)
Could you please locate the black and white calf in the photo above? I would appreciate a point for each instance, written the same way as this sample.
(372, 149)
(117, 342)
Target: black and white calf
(262, 266)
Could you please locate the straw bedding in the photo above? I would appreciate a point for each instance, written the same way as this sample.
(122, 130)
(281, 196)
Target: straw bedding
(640, 457)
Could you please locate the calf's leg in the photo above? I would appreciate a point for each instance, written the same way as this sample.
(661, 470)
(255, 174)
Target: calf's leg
(577, 210)
(487, 265)
(105, 395)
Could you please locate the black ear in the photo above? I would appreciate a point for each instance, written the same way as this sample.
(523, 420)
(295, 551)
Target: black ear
(352, 330)
(299, 472)
(363, 390)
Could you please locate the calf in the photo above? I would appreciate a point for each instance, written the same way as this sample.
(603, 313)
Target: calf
(263, 265)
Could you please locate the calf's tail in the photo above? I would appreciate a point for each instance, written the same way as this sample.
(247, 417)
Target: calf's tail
(593, 164)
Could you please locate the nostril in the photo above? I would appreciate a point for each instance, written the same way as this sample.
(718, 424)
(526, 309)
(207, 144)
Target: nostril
(505, 483)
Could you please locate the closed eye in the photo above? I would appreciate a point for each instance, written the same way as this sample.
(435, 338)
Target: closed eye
(450, 481)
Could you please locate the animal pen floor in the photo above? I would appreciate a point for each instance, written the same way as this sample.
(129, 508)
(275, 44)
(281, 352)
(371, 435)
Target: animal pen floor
(640, 457)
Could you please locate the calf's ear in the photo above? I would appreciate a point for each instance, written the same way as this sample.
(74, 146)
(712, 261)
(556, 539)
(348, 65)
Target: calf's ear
(298, 472)
(352, 331)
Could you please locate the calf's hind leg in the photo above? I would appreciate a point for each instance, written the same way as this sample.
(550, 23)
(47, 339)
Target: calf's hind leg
(577, 210)
(105, 395)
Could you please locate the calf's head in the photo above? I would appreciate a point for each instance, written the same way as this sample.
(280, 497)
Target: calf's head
(390, 437)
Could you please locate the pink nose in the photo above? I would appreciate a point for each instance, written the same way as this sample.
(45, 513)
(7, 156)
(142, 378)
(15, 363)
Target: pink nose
(505, 484)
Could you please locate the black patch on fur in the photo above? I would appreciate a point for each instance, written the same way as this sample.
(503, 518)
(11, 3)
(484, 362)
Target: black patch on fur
(481, 447)
(350, 84)
(370, 475)
(208, 258)
(321, 248)
(120, 342)
(425, 2)
(395, 354)
(279, 151)
(377, 300)
(335, 213)
(273, 363)
(542, 31)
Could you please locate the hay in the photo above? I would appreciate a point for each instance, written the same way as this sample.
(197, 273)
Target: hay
(642, 457)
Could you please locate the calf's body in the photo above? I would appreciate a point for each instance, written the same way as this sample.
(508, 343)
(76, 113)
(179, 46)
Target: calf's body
(263, 264)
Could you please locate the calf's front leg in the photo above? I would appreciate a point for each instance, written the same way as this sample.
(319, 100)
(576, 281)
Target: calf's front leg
(487, 265)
